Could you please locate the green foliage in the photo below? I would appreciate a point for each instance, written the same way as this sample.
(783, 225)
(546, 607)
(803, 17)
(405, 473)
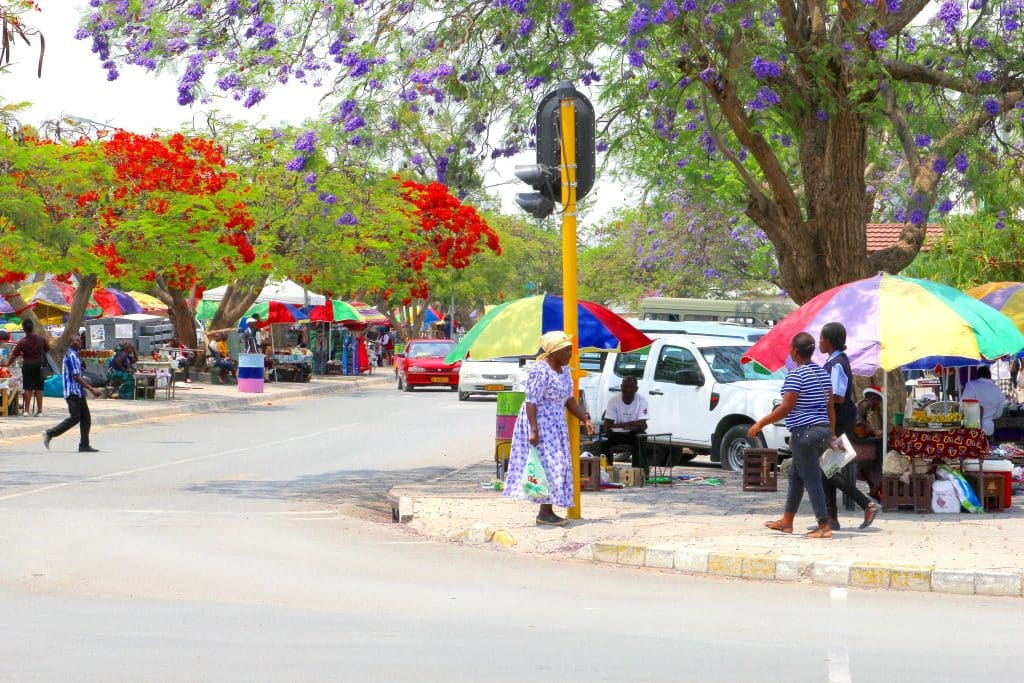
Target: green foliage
(973, 251)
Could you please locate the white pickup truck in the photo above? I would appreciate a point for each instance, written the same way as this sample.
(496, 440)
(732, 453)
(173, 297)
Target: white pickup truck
(698, 391)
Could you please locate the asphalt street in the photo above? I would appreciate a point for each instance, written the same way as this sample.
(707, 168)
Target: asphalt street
(254, 545)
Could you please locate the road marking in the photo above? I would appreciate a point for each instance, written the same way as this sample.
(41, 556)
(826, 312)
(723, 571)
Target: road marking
(838, 658)
(182, 461)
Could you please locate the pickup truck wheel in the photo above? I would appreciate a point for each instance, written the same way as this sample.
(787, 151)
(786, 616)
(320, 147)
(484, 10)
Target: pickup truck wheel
(463, 395)
(733, 443)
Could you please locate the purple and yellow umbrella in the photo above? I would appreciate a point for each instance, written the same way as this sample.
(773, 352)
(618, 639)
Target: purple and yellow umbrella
(892, 321)
(1005, 297)
(515, 328)
(114, 302)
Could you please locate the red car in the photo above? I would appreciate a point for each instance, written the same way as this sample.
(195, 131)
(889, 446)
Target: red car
(422, 364)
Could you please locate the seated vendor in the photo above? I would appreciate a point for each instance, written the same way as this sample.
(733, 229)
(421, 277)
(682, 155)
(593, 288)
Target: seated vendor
(120, 373)
(988, 394)
(867, 440)
(624, 418)
(222, 362)
(869, 414)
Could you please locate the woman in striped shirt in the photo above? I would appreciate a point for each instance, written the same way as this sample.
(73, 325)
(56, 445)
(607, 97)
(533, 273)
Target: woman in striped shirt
(807, 408)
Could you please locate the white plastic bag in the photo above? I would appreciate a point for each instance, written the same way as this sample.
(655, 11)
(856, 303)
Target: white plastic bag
(944, 498)
(835, 459)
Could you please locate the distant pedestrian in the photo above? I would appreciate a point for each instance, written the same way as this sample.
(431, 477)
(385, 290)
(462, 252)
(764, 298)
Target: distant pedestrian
(251, 337)
(75, 387)
(832, 342)
(542, 424)
(807, 408)
(33, 349)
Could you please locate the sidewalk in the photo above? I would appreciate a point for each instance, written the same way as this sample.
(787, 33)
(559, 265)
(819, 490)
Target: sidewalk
(198, 397)
(698, 528)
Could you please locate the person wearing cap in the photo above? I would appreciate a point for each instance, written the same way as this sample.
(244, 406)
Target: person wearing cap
(832, 343)
(869, 414)
(250, 337)
(542, 424)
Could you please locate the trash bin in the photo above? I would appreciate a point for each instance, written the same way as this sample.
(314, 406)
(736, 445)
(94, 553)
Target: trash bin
(250, 373)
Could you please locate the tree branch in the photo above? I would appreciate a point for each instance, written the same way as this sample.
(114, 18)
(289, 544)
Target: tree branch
(899, 124)
(752, 185)
(909, 9)
(914, 73)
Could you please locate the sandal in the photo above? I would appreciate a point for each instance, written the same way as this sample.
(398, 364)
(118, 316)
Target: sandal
(819, 533)
(779, 525)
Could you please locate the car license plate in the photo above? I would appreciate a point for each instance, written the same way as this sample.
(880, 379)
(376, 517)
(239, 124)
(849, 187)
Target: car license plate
(494, 387)
(439, 380)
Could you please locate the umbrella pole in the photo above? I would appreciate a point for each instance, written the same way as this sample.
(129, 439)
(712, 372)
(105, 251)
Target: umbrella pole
(885, 412)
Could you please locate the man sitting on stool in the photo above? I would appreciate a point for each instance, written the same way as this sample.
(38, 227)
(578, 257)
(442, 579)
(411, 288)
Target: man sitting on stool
(624, 418)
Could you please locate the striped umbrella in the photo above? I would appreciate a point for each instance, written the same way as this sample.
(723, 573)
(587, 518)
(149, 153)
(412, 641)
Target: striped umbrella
(271, 312)
(1005, 297)
(369, 315)
(334, 311)
(515, 328)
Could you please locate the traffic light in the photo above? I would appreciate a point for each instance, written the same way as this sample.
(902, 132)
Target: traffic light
(546, 175)
(541, 203)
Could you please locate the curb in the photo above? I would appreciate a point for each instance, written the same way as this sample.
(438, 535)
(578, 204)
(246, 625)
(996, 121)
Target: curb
(188, 406)
(480, 533)
(766, 567)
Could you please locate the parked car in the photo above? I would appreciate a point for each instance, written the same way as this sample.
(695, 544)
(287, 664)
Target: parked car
(487, 376)
(421, 364)
(699, 393)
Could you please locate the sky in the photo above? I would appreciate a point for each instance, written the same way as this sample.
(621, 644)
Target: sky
(73, 84)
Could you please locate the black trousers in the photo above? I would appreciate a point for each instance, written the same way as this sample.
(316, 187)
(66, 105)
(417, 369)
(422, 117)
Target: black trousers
(839, 481)
(78, 414)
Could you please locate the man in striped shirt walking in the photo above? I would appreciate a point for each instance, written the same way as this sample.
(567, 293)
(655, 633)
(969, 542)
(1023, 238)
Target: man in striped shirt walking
(75, 387)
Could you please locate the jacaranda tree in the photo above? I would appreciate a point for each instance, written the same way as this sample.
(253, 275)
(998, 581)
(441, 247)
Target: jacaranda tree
(812, 117)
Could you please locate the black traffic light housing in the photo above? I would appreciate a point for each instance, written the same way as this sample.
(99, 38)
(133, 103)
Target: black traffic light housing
(546, 177)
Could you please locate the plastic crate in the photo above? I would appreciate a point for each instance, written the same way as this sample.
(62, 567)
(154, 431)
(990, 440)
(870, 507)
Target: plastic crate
(914, 495)
(590, 473)
(760, 469)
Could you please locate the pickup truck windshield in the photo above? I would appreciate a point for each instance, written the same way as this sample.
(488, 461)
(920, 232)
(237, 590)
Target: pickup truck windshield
(725, 365)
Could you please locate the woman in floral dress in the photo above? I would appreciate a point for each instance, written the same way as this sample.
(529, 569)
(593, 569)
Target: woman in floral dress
(542, 423)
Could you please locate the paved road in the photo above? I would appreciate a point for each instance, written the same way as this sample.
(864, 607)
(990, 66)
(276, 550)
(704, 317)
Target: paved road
(243, 546)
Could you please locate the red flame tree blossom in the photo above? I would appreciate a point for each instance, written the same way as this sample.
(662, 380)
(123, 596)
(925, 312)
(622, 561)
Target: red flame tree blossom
(449, 233)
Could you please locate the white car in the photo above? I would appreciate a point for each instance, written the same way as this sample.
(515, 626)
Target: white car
(487, 376)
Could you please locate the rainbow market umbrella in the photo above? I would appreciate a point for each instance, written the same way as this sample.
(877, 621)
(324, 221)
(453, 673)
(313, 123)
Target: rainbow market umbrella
(114, 302)
(892, 321)
(334, 311)
(1005, 297)
(273, 312)
(514, 329)
(370, 315)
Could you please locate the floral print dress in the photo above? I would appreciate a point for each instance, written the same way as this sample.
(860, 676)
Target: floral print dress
(548, 391)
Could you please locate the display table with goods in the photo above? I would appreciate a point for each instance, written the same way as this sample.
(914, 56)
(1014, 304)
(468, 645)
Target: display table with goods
(10, 392)
(292, 367)
(154, 377)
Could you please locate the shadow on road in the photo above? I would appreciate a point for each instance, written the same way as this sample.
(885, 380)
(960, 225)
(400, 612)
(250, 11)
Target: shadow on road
(365, 489)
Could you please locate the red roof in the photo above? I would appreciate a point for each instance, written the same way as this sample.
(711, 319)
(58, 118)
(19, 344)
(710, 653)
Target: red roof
(882, 235)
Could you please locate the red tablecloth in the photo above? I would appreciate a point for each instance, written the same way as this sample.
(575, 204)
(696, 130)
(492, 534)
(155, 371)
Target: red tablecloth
(949, 444)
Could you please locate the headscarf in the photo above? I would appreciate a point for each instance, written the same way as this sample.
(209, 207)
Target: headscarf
(553, 341)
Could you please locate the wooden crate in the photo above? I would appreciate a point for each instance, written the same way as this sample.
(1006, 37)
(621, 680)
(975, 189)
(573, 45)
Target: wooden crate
(630, 476)
(9, 404)
(914, 495)
(760, 469)
(590, 473)
(990, 489)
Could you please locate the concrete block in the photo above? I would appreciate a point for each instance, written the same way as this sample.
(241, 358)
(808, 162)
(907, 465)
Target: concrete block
(910, 578)
(868, 575)
(586, 553)
(791, 568)
(831, 573)
(606, 551)
(478, 533)
(760, 567)
(726, 564)
(503, 538)
(691, 560)
(659, 556)
(997, 583)
(633, 555)
(953, 581)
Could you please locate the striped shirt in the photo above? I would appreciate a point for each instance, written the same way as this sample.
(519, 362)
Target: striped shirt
(813, 388)
(72, 369)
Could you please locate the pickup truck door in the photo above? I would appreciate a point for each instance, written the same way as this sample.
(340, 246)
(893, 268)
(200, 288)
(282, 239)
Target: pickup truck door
(678, 409)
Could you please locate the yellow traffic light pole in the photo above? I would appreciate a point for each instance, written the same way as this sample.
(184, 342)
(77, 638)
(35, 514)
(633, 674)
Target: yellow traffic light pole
(569, 278)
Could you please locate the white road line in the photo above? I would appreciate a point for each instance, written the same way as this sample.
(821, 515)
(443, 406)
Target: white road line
(838, 658)
(259, 446)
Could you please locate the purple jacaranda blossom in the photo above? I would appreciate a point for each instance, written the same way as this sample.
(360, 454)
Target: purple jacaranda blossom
(991, 107)
(822, 115)
(764, 69)
(917, 216)
(950, 14)
(502, 69)
(306, 142)
(999, 224)
(310, 179)
(533, 81)
(296, 164)
(652, 84)
(877, 38)
(525, 26)
(960, 162)
(922, 140)
(636, 59)
(939, 165)
(979, 43)
(639, 20)
(893, 5)
(983, 76)
(253, 98)
(946, 205)
(347, 218)
(601, 146)
(416, 159)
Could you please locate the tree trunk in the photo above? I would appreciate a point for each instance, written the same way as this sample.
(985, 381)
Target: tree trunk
(86, 283)
(239, 296)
